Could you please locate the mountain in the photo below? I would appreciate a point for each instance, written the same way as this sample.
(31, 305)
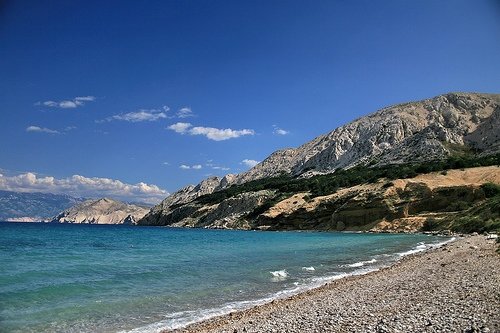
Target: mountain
(20, 206)
(101, 211)
(410, 132)
(436, 129)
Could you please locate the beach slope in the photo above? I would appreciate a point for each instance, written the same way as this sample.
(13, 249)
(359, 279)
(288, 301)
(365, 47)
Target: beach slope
(455, 288)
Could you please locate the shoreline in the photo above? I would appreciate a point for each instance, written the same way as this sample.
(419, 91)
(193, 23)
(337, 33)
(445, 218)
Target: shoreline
(437, 289)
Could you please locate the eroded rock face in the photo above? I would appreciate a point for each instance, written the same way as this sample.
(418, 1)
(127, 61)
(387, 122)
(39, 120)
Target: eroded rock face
(411, 132)
(102, 211)
(400, 205)
(230, 213)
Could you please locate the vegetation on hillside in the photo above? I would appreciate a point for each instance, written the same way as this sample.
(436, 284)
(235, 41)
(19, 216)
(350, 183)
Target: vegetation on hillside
(460, 215)
(329, 183)
(483, 217)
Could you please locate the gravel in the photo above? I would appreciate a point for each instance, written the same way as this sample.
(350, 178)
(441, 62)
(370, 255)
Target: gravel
(455, 288)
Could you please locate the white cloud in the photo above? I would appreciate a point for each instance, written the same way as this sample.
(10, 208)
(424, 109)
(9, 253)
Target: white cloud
(166, 163)
(220, 168)
(220, 134)
(85, 99)
(81, 186)
(140, 115)
(279, 131)
(189, 167)
(41, 130)
(185, 112)
(180, 127)
(250, 163)
(211, 133)
(68, 104)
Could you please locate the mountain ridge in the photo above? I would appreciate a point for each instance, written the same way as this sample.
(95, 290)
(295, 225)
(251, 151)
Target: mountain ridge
(430, 129)
(33, 206)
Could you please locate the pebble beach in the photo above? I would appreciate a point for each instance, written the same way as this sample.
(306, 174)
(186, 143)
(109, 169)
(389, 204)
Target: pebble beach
(453, 288)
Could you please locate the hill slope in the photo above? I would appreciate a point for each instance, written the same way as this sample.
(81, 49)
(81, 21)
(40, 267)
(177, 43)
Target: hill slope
(429, 130)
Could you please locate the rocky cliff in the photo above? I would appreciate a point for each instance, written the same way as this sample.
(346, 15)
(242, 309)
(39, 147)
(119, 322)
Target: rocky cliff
(102, 211)
(432, 129)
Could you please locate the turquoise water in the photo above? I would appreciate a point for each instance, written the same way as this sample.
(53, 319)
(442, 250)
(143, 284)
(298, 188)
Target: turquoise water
(98, 278)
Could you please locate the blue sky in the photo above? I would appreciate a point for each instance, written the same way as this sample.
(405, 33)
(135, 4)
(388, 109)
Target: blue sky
(137, 99)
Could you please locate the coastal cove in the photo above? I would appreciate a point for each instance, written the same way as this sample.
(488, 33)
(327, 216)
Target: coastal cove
(86, 278)
(452, 288)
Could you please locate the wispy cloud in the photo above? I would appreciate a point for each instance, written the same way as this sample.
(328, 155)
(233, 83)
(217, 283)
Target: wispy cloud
(38, 129)
(249, 163)
(213, 166)
(220, 168)
(211, 133)
(67, 104)
(184, 112)
(279, 131)
(189, 167)
(81, 186)
(140, 115)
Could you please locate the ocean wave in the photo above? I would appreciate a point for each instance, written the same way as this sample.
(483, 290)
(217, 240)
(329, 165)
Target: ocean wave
(424, 246)
(362, 263)
(279, 275)
(310, 269)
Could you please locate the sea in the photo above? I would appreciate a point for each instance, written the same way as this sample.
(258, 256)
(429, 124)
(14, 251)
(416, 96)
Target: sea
(115, 278)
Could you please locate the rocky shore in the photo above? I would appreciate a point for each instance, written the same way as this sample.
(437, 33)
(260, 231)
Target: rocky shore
(455, 288)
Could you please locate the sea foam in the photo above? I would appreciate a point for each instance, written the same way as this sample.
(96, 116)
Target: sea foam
(362, 263)
(280, 274)
(423, 247)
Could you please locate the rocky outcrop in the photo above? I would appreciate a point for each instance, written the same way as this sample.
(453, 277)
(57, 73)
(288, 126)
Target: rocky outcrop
(102, 211)
(230, 213)
(183, 196)
(427, 130)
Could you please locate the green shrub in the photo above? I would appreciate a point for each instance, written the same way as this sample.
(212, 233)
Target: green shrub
(477, 224)
(491, 190)
(432, 224)
(458, 206)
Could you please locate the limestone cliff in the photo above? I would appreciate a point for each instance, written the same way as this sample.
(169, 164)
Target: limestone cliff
(101, 211)
(409, 132)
